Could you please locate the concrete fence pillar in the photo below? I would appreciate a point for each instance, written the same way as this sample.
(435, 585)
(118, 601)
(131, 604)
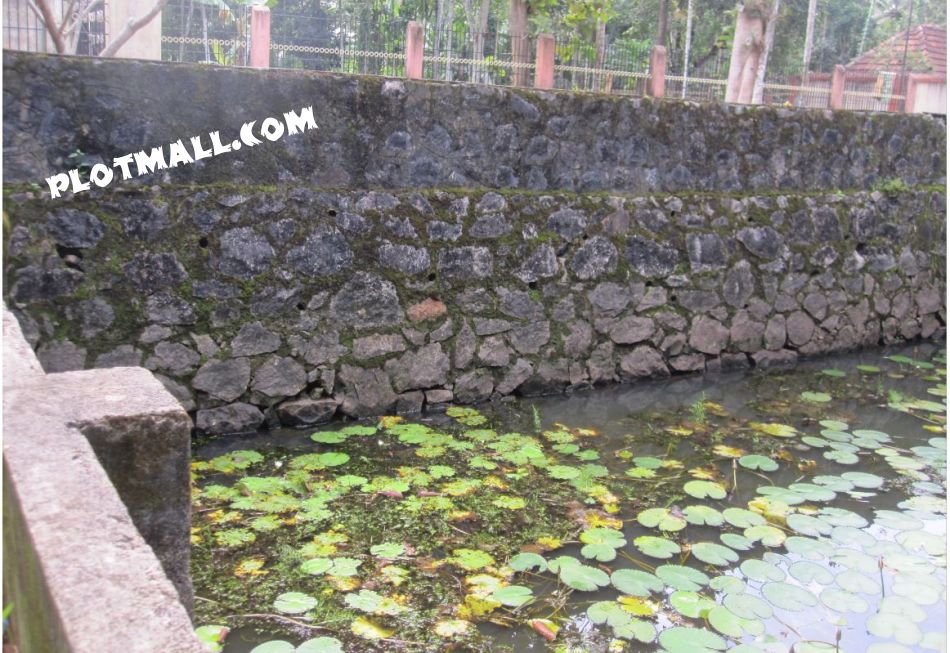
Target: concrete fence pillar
(837, 88)
(657, 84)
(260, 37)
(414, 49)
(544, 62)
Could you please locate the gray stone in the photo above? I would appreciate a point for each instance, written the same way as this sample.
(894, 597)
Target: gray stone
(324, 348)
(154, 333)
(706, 252)
(225, 380)
(404, 258)
(688, 363)
(244, 253)
(443, 332)
(377, 201)
(367, 392)
(490, 326)
(205, 344)
(609, 299)
(653, 297)
(519, 304)
(378, 345)
(799, 328)
(739, 284)
(473, 387)
(746, 334)
(775, 333)
(439, 396)
(414, 336)
(601, 365)
(490, 226)
(529, 339)
(150, 272)
(542, 264)
(254, 339)
(325, 252)
(697, 301)
(121, 356)
(550, 376)
(61, 356)
(178, 391)
(632, 329)
(169, 310)
(234, 418)
(279, 377)
(73, 228)
(643, 362)
(426, 367)
(708, 336)
(491, 202)
(763, 242)
(465, 344)
(780, 358)
(517, 374)
(176, 358)
(410, 403)
(577, 340)
(366, 301)
(353, 223)
(929, 300)
(730, 362)
(306, 412)
(493, 352)
(673, 344)
(651, 258)
(34, 283)
(567, 223)
(401, 228)
(94, 315)
(440, 231)
(817, 304)
(213, 289)
(465, 263)
(595, 258)
(824, 257)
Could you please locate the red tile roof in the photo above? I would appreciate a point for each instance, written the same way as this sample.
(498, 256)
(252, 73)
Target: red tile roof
(926, 53)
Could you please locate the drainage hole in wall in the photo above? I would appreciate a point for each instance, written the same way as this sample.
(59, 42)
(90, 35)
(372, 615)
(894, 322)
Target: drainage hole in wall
(203, 242)
(331, 213)
(301, 306)
(431, 276)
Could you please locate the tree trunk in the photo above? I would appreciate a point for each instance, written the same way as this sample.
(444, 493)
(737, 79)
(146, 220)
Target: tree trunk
(746, 47)
(759, 87)
(518, 31)
(809, 40)
(686, 48)
(600, 47)
(187, 31)
(437, 40)
(478, 42)
(662, 26)
(450, 23)
(204, 33)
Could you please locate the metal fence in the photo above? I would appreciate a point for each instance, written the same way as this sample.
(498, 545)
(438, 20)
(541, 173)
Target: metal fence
(481, 58)
(705, 81)
(624, 69)
(85, 31)
(198, 33)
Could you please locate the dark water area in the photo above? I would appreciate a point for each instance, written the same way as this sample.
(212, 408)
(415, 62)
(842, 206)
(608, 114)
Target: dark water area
(842, 463)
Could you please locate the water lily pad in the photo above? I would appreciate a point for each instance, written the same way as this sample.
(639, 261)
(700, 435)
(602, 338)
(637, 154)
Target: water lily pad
(742, 518)
(374, 603)
(583, 577)
(601, 543)
(691, 604)
(857, 583)
(814, 441)
(680, 639)
(807, 525)
(274, 646)
(816, 397)
(834, 372)
(471, 559)
(321, 645)
(736, 541)
(638, 629)
(713, 554)
(841, 517)
(789, 597)
(894, 626)
(608, 612)
(730, 625)
(527, 561)
(329, 437)
(388, 550)
(514, 596)
(452, 627)
(704, 489)
(775, 430)
(763, 463)
(747, 606)
(767, 535)
(682, 578)
(661, 518)
(868, 369)
(635, 582)
(294, 603)
(728, 584)
(656, 547)
(863, 480)
(703, 515)
(761, 571)
(841, 457)
(363, 627)
(843, 601)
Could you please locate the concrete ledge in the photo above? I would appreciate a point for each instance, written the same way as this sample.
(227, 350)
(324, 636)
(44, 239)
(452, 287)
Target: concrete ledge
(81, 575)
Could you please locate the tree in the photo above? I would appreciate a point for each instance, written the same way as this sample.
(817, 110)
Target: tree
(518, 32)
(64, 28)
(766, 49)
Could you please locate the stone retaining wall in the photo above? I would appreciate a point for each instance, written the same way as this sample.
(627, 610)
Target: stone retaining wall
(292, 305)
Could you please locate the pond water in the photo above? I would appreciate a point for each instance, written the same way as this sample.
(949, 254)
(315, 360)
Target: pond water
(800, 510)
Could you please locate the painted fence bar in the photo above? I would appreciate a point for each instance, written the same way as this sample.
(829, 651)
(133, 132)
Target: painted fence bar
(657, 71)
(544, 62)
(260, 37)
(415, 40)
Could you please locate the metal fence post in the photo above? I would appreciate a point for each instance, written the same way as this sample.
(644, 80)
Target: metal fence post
(836, 101)
(657, 71)
(544, 62)
(260, 37)
(414, 49)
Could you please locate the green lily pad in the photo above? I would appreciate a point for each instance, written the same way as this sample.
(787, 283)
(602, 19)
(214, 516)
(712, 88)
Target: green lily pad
(789, 597)
(834, 372)
(713, 554)
(766, 534)
(388, 550)
(583, 577)
(761, 571)
(601, 543)
(842, 601)
(682, 578)
(736, 541)
(728, 584)
(661, 518)
(329, 437)
(857, 583)
(742, 518)
(681, 639)
(608, 612)
(274, 646)
(816, 397)
(471, 559)
(763, 463)
(514, 596)
(691, 604)
(656, 547)
(808, 525)
(806, 571)
(863, 480)
(894, 626)
(747, 606)
(294, 603)
(635, 582)
(730, 625)
(527, 561)
(647, 462)
(321, 645)
(704, 489)
(702, 515)
(841, 457)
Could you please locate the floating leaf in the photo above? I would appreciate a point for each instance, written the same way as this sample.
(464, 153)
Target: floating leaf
(776, 430)
(471, 559)
(747, 606)
(816, 397)
(834, 372)
(742, 518)
(514, 596)
(680, 639)
(452, 627)
(863, 480)
(702, 515)
(636, 582)
(767, 535)
(761, 571)
(388, 550)
(363, 627)
(583, 577)
(889, 625)
(329, 437)
(601, 543)
(294, 603)
(789, 597)
(730, 625)
(661, 518)
(608, 612)
(807, 525)
(637, 629)
(656, 547)
(527, 561)
(841, 457)
(714, 554)
(763, 463)
(274, 646)
(806, 571)
(853, 581)
(704, 489)
(682, 578)
(211, 636)
(736, 541)
(842, 601)
(691, 604)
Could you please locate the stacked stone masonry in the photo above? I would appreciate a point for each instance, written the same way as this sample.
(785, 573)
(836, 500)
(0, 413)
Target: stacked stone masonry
(262, 306)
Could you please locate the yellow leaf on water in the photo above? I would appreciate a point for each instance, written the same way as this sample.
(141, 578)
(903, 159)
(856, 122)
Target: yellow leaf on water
(495, 482)
(678, 430)
(451, 627)
(672, 463)
(363, 627)
(250, 567)
(388, 421)
(344, 583)
(595, 519)
(483, 585)
(777, 430)
(475, 607)
(548, 543)
(587, 432)
(637, 606)
(728, 452)
(704, 473)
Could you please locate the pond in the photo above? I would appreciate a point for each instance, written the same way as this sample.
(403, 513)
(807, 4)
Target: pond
(800, 510)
